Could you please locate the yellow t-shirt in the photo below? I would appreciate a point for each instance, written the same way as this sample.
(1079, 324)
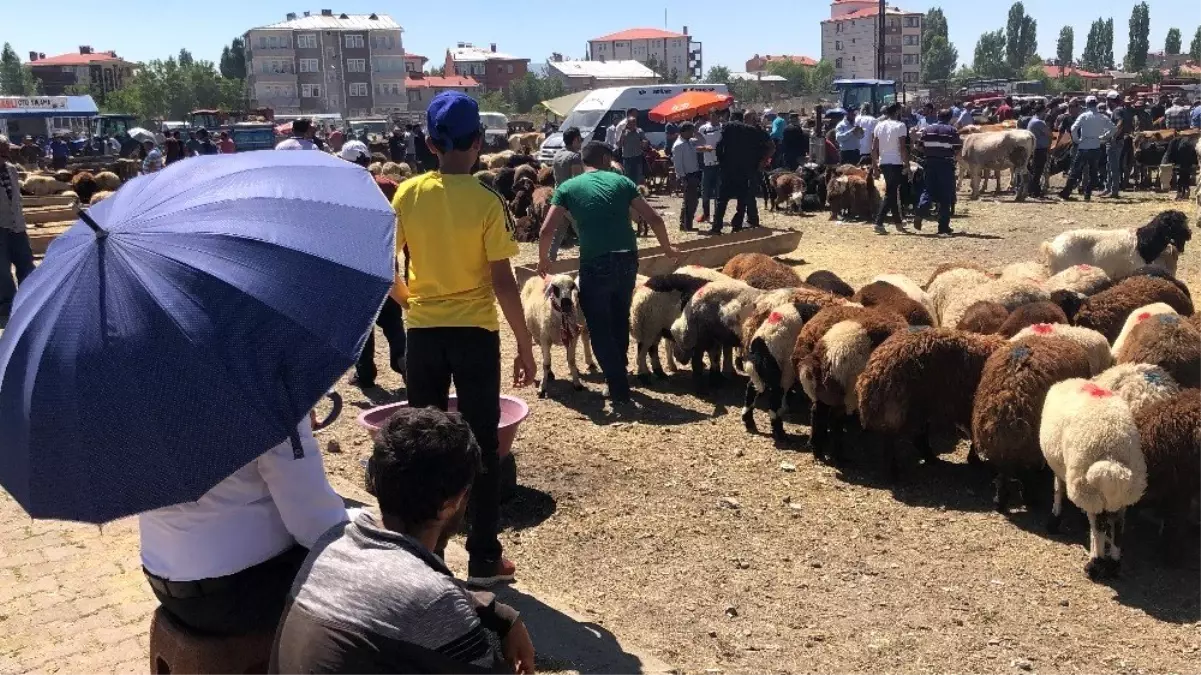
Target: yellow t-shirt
(454, 227)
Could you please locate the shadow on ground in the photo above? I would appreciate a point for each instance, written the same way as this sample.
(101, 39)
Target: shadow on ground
(526, 507)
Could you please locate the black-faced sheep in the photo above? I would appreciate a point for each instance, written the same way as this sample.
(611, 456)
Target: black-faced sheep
(1121, 251)
(984, 317)
(922, 381)
(1031, 313)
(84, 185)
(1093, 343)
(1170, 437)
(658, 302)
(553, 317)
(769, 341)
(1091, 443)
(830, 282)
(1165, 340)
(1106, 311)
(888, 297)
(710, 322)
(1008, 408)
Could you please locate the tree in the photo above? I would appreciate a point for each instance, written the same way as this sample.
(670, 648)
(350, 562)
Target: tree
(16, 79)
(718, 75)
(1093, 58)
(1021, 37)
(1194, 49)
(1107, 44)
(1065, 47)
(1139, 43)
(233, 60)
(939, 60)
(169, 90)
(796, 76)
(821, 77)
(185, 58)
(494, 101)
(440, 71)
(1171, 44)
(529, 92)
(989, 59)
(935, 24)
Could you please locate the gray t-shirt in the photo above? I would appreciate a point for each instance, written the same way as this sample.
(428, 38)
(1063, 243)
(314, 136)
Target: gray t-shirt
(563, 162)
(631, 145)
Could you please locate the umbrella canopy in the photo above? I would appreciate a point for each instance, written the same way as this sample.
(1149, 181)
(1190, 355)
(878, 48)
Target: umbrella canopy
(562, 105)
(184, 326)
(140, 135)
(688, 105)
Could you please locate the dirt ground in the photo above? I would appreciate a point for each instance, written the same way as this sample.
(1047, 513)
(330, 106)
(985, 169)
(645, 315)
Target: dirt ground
(716, 551)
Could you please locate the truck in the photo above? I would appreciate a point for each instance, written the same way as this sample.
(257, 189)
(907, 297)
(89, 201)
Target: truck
(496, 130)
(878, 94)
(250, 136)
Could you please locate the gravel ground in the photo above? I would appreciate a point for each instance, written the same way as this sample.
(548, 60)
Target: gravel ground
(713, 549)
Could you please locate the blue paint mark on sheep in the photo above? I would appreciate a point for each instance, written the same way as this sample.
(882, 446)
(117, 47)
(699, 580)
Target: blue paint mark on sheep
(1018, 353)
(1156, 377)
(1169, 319)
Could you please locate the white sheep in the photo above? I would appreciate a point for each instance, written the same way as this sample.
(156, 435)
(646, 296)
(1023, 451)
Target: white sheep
(1136, 317)
(658, 302)
(950, 284)
(43, 186)
(1082, 279)
(1028, 270)
(1011, 293)
(553, 317)
(769, 364)
(1120, 252)
(710, 323)
(703, 273)
(1139, 384)
(1094, 343)
(1090, 441)
(107, 180)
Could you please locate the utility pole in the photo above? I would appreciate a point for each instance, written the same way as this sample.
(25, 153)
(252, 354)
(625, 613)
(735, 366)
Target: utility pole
(880, 41)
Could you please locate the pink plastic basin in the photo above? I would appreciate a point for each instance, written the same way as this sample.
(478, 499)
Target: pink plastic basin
(512, 411)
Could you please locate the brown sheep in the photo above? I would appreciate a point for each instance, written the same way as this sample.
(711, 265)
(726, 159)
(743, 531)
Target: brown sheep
(546, 177)
(830, 282)
(99, 196)
(1106, 311)
(947, 267)
(852, 196)
(540, 205)
(525, 171)
(1170, 436)
(1007, 411)
(84, 185)
(883, 295)
(785, 186)
(1042, 311)
(1168, 341)
(735, 267)
(984, 317)
(523, 196)
(772, 277)
(488, 178)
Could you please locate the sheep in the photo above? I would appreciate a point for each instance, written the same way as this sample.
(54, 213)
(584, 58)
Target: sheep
(43, 186)
(856, 195)
(1138, 384)
(948, 267)
(658, 302)
(1170, 438)
(546, 177)
(984, 317)
(99, 196)
(1155, 271)
(1090, 441)
(1011, 293)
(886, 296)
(1008, 407)
(1136, 317)
(1042, 311)
(920, 381)
(63, 175)
(830, 353)
(1028, 270)
(1166, 341)
(769, 342)
(553, 316)
(761, 271)
(785, 185)
(1118, 252)
(910, 288)
(375, 168)
(830, 282)
(742, 263)
(525, 171)
(503, 184)
(523, 196)
(1068, 302)
(1094, 344)
(951, 283)
(540, 204)
(710, 322)
(1106, 311)
(703, 273)
(1084, 279)
(499, 160)
(486, 177)
(390, 169)
(84, 185)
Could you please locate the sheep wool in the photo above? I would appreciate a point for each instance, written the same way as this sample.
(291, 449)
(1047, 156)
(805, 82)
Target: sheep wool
(1167, 341)
(1136, 317)
(1085, 279)
(553, 317)
(703, 273)
(1011, 293)
(1031, 313)
(1112, 250)
(952, 283)
(739, 265)
(947, 267)
(1170, 434)
(887, 296)
(910, 288)
(769, 361)
(1138, 384)
(1106, 311)
(1027, 270)
(984, 316)
(1093, 343)
(658, 302)
(711, 321)
(830, 282)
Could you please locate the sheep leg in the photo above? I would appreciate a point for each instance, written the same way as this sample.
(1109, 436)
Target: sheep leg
(1056, 517)
(643, 351)
(571, 364)
(925, 451)
(819, 432)
(974, 175)
(698, 371)
(669, 350)
(656, 365)
(1034, 488)
(777, 406)
(589, 361)
(837, 420)
(728, 361)
(547, 374)
(1105, 554)
(715, 376)
(748, 408)
(1001, 492)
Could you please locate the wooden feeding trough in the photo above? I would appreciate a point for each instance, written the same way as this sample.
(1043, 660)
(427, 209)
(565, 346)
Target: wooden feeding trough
(707, 252)
(40, 236)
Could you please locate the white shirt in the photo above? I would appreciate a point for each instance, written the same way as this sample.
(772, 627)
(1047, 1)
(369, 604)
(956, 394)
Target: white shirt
(891, 134)
(868, 124)
(684, 157)
(711, 135)
(258, 512)
(296, 144)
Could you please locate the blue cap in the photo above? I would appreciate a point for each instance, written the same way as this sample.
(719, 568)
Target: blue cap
(452, 115)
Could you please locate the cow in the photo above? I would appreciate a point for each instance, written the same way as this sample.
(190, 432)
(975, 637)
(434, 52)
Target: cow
(998, 150)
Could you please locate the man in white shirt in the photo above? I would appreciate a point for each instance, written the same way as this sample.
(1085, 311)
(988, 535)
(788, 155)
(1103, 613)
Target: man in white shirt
(891, 157)
(710, 136)
(223, 564)
(867, 122)
(299, 139)
(685, 159)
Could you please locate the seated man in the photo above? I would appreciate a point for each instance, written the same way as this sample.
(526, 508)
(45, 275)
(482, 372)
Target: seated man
(223, 564)
(374, 596)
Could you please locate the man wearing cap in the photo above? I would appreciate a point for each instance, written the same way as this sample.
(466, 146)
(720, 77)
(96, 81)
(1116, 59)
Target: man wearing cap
(154, 157)
(299, 140)
(1177, 117)
(15, 251)
(1089, 131)
(1115, 150)
(459, 235)
(940, 142)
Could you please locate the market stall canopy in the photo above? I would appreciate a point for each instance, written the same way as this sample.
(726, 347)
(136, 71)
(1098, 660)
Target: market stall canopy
(47, 106)
(562, 105)
(688, 105)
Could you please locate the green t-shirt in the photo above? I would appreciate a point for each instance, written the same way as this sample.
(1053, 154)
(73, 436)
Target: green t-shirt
(599, 202)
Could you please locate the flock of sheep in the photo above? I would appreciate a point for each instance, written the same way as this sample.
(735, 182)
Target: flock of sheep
(89, 188)
(1086, 362)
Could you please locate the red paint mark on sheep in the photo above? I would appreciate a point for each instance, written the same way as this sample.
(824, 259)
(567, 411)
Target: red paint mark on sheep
(1095, 391)
(1042, 328)
(701, 291)
(1083, 267)
(775, 317)
(1143, 316)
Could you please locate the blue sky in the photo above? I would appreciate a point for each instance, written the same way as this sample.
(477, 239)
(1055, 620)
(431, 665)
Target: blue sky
(730, 32)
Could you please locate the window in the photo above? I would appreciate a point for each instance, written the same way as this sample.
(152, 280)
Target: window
(414, 96)
(892, 40)
(354, 41)
(308, 65)
(913, 22)
(478, 69)
(510, 69)
(306, 41)
(910, 77)
(912, 59)
(911, 39)
(262, 42)
(838, 62)
(273, 42)
(892, 59)
(395, 89)
(838, 45)
(838, 27)
(310, 90)
(358, 89)
(618, 44)
(356, 65)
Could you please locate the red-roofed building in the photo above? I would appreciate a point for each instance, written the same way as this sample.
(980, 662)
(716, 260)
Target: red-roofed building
(758, 65)
(662, 51)
(1091, 80)
(101, 72)
(849, 39)
(423, 88)
(414, 63)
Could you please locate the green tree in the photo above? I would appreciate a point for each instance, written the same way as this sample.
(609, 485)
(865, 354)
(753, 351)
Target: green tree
(1021, 37)
(1150, 76)
(1194, 49)
(935, 23)
(939, 60)
(797, 76)
(1171, 44)
(1093, 57)
(989, 59)
(233, 60)
(16, 79)
(185, 58)
(1139, 38)
(494, 101)
(169, 90)
(440, 71)
(821, 77)
(718, 75)
(1107, 44)
(1065, 47)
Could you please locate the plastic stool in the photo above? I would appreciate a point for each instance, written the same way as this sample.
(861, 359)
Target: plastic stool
(175, 648)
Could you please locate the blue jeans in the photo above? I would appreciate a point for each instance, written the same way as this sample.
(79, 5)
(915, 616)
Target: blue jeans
(1084, 167)
(606, 290)
(15, 252)
(633, 168)
(1113, 155)
(710, 185)
(940, 188)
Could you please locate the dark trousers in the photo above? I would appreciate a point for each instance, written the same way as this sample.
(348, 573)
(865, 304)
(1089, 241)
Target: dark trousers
(250, 601)
(1184, 178)
(939, 187)
(893, 177)
(692, 194)
(15, 254)
(1037, 164)
(470, 357)
(1084, 165)
(58, 162)
(792, 159)
(849, 156)
(736, 186)
(710, 184)
(606, 291)
(391, 320)
(633, 168)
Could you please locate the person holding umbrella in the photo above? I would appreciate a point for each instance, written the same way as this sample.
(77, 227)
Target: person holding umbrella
(15, 252)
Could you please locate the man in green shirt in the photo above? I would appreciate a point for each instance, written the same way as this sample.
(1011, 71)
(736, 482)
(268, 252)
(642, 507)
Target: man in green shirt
(600, 201)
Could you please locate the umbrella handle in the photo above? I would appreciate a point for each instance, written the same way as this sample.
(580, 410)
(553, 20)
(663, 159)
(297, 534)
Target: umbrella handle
(336, 399)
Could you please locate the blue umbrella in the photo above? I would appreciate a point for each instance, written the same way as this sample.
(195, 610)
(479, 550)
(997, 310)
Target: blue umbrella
(185, 325)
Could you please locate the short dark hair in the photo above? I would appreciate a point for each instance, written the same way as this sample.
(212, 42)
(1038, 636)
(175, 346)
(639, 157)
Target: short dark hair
(571, 136)
(687, 126)
(737, 115)
(631, 111)
(301, 126)
(944, 115)
(596, 154)
(894, 109)
(422, 458)
(464, 143)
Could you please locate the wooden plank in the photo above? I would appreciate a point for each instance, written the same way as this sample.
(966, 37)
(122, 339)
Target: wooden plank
(49, 214)
(53, 200)
(40, 237)
(708, 252)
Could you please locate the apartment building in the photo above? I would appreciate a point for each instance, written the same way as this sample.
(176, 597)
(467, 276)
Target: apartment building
(850, 35)
(100, 72)
(493, 70)
(414, 63)
(348, 64)
(583, 75)
(663, 50)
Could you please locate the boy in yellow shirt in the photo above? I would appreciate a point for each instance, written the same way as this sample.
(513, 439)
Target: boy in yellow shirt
(460, 239)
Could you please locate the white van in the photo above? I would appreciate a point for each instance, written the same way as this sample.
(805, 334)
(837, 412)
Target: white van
(603, 107)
